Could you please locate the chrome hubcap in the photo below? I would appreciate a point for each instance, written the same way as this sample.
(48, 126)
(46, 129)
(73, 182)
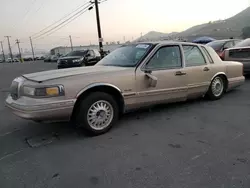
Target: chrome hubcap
(217, 86)
(100, 115)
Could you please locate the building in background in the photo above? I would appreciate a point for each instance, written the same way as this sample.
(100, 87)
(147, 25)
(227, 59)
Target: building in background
(63, 50)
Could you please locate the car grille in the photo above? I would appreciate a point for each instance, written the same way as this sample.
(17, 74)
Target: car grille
(65, 62)
(239, 53)
(14, 90)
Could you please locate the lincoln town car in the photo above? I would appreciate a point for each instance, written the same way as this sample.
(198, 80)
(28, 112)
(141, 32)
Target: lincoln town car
(130, 77)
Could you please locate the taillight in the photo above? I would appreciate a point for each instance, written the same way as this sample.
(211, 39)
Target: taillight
(222, 55)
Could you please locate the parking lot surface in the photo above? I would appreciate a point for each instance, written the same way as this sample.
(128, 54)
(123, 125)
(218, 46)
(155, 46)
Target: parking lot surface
(196, 144)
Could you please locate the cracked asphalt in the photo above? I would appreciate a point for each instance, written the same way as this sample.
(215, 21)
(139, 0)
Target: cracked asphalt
(196, 144)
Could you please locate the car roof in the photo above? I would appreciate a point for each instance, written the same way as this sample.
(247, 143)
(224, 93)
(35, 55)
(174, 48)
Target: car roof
(225, 40)
(169, 42)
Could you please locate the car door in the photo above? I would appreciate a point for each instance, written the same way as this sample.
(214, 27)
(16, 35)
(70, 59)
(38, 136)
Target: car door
(97, 56)
(161, 77)
(91, 57)
(198, 71)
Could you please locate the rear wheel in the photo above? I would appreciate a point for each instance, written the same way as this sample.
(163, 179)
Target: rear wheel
(97, 113)
(217, 88)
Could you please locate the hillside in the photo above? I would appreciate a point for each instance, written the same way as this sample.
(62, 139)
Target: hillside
(154, 36)
(231, 27)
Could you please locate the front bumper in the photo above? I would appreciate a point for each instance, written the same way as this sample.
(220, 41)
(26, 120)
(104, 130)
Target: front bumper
(41, 109)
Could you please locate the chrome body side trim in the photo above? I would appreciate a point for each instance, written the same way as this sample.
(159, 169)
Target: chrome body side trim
(96, 85)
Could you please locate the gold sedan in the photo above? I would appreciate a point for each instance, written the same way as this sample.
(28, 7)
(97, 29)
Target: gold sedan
(132, 76)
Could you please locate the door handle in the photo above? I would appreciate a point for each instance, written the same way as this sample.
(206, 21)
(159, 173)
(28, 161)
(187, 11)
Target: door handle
(179, 73)
(206, 69)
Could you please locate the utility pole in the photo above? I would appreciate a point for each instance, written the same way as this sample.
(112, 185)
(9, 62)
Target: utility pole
(18, 42)
(100, 39)
(71, 43)
(2, 51)
(11, 56)
(32, 49)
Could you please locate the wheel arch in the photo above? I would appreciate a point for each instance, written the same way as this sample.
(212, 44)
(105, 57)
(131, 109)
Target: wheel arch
(101, 87)
(223, 75)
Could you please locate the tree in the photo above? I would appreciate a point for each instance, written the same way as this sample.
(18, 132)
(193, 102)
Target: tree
(246, 32)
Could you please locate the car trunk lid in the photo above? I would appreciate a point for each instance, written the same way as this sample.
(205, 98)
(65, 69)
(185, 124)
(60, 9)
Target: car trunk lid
(242, 53)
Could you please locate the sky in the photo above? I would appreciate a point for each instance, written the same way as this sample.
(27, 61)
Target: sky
(119, 18)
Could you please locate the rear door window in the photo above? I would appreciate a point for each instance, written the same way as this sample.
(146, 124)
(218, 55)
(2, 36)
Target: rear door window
(193, 56)
(207, 54)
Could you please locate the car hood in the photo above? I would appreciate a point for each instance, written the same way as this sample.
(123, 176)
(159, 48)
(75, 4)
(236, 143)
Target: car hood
(61, 73)
(70, 57)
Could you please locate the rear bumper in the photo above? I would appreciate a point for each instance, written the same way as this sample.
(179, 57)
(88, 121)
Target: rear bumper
(235, 82)
(41, 111)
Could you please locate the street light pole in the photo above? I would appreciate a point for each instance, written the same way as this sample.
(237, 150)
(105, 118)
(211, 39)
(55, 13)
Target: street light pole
(18, 42)
(2, 51)
(8, 38)
(100, 39)
(32, 49)
(71, 43)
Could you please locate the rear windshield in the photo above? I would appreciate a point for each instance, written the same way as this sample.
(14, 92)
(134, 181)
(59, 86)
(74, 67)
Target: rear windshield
(216, 45)
(244, 43)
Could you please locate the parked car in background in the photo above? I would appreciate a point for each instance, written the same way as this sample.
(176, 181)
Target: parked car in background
(132, 76)
(54, 58)
(241, 53)
(220, 45)
(79, 58)
(47, 58)
(9, 60)
(28, 58)
(41, 58)
(16, 60)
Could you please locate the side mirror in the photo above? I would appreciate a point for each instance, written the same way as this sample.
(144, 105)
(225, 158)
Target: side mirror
(87, 55)
(151, 79)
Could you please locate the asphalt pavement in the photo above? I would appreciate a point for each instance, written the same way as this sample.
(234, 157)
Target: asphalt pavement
(196, 144)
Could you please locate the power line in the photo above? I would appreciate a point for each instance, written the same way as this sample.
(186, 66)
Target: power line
(65, 16)
(65, 22)
(28, 11)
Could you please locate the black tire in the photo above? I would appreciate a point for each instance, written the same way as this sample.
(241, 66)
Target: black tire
(210, 94)
(85, 105)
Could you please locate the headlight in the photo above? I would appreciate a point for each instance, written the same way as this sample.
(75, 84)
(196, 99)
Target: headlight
(77, 60)
(48, 91)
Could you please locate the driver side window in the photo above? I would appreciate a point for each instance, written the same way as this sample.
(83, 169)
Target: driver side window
(91, 53)
(167, 57)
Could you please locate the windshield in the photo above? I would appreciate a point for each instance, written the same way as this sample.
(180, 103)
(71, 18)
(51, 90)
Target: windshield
(126, 56)
(216, 45)
(243, 43)
(77, 53)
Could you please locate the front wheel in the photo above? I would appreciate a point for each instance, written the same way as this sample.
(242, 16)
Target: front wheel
(217, 88)
(97, 113)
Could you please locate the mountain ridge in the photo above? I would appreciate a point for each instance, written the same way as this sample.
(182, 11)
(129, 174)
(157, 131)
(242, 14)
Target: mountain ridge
(230, 27)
